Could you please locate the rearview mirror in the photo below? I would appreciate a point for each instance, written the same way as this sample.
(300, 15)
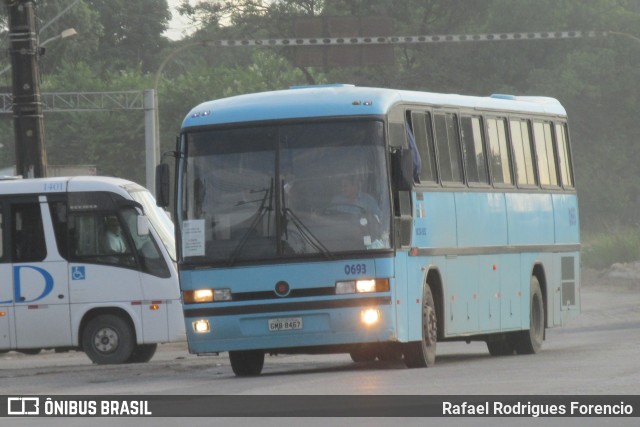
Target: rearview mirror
(162, 185)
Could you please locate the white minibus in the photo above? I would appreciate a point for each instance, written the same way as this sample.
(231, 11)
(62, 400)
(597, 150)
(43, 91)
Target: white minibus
(86, 263)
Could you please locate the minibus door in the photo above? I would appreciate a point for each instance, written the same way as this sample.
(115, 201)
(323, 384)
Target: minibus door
(159, 284)
(6, 305)
(6, 290)
(40, 279)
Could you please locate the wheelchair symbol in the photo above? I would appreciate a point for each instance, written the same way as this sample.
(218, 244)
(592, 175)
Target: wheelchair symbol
(77, 273)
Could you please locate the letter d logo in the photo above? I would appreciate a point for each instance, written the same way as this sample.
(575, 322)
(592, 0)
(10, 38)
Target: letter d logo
(17, 284)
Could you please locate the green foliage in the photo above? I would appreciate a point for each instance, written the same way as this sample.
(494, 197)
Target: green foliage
(120, 46)
(132, 33)
(602, 250)
(268, 71)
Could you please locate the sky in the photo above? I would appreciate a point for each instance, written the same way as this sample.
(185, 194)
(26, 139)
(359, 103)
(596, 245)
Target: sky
(178, 25)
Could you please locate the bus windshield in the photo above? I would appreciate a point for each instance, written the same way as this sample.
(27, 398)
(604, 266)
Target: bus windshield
(158, 218)
(291, 190)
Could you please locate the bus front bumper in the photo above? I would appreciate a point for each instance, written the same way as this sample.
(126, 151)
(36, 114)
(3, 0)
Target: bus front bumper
(270, 326)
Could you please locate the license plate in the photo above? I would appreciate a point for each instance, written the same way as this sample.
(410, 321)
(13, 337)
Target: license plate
(285, 324)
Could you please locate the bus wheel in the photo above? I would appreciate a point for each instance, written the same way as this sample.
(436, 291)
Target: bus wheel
(247, 363)
(108, 339)
(363, 353)
(390, 352)
(500, 347)
(530, 341)
(420, 354)
(143, 353)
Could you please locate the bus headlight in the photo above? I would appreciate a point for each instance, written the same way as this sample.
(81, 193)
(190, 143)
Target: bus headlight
(362, 286)
(201, 326)
(370, 316)
(366, 286)
(206, 295)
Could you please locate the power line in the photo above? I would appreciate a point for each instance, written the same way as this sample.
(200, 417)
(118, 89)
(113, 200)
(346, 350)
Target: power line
(397, 40)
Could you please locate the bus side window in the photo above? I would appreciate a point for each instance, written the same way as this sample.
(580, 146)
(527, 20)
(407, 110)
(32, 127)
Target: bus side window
(546, 154)
(499, 151)
(473, 150)
(27, 233)
(448, 145)
(564, 155)
(422, 132)
(522, 152)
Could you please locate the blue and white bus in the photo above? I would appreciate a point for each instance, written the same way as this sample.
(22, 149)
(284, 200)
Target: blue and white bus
(373, 222)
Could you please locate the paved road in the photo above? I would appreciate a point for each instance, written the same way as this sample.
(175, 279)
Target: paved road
(596, 354)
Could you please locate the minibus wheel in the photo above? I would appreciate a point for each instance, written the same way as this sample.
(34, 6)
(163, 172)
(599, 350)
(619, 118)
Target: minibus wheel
(143, 353)
(108, 339)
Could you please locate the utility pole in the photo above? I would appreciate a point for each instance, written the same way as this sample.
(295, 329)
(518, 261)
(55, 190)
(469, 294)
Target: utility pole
(28, 123)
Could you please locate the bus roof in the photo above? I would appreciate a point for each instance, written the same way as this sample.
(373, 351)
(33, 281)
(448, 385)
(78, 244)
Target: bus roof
(64, 184)
(349, 100)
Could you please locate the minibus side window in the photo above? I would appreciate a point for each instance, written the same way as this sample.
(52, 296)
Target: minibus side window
(98, 237)
(27, 233)
(1, 233)
(58, 212)
(149, 255)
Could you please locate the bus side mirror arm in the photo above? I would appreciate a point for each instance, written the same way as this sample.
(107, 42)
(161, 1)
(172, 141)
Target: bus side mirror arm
(162, 185)
(402, 169)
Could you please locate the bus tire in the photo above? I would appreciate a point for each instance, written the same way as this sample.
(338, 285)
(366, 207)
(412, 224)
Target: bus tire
(108, 340)
(143, 353)
(247, 363)
(363, 353)
(530, 341)
(500, 347)
(422, 354)
(390, 352)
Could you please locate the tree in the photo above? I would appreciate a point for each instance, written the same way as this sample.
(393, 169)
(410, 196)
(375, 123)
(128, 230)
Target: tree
(132, 35)
(120, 45)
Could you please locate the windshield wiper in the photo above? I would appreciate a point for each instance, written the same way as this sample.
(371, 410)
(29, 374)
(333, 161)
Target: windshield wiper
(302, 229)
(268, 195)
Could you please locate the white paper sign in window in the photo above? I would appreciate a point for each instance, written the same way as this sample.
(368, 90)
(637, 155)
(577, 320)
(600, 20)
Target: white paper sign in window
(193, 238)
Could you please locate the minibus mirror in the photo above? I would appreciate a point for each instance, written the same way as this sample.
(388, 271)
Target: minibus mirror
(162, 185)
(143, 225)
(402, 169)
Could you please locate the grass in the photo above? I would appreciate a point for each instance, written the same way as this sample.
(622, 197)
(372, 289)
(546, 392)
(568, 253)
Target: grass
(601, 250)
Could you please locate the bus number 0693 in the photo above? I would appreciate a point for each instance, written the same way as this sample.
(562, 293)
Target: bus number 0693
(351, 269)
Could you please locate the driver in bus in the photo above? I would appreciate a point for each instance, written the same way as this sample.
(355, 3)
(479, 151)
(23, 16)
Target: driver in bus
(114, 240)
(354, 201)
